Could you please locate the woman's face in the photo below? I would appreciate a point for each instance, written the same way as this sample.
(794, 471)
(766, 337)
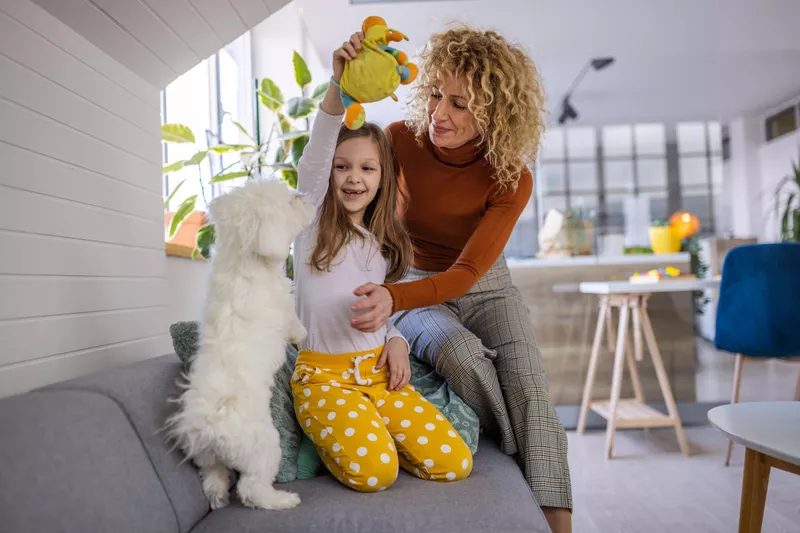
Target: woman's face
(451, 123)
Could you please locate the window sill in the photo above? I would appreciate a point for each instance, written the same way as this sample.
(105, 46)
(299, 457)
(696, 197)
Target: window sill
(184, 252)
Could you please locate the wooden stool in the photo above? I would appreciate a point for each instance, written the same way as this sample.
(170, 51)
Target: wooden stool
(633, 412)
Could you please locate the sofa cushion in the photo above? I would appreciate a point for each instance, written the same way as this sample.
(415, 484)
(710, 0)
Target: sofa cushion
(70, 461)
(142, 390)
(494, 498)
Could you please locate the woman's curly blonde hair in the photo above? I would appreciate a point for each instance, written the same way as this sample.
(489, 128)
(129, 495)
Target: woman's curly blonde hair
(505, 91)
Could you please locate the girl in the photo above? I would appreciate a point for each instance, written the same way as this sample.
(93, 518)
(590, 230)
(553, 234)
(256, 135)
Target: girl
(363, 417)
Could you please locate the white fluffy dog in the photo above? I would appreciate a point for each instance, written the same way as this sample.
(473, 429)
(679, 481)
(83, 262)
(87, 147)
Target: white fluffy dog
(224, 420)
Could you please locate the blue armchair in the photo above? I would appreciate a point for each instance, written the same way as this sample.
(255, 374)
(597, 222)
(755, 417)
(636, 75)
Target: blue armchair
(758, 311)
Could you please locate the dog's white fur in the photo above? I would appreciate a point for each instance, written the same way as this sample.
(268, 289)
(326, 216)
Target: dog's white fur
(224, 420)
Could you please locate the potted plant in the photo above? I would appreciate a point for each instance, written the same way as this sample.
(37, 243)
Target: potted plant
(787, 205)
(663, 239)
(279, 152)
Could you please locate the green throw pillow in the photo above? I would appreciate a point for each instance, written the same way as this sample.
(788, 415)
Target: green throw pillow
(185, 338)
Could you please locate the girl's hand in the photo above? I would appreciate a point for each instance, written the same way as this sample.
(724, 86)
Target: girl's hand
(378, 305)
(345, 53)
(396, 354)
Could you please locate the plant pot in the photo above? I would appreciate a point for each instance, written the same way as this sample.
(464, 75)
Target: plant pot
(187, 231)
(664, 241)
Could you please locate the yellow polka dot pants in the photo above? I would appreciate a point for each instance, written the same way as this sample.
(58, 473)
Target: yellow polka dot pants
(364, 432)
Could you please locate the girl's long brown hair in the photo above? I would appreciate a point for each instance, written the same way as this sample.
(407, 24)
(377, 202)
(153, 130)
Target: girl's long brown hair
(380, 219)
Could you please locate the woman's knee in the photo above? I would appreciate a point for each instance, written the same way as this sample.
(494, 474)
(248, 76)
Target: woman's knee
(461, 349)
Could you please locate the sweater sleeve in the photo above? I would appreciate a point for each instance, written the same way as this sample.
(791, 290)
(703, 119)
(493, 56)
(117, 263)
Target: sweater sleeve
(481, 251)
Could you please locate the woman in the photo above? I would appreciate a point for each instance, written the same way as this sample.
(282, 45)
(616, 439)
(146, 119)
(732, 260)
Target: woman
(476, 118)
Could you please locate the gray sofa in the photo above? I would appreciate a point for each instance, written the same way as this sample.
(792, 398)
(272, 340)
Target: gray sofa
(86, 456)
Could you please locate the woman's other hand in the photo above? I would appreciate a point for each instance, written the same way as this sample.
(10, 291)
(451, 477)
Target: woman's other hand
(373, 310)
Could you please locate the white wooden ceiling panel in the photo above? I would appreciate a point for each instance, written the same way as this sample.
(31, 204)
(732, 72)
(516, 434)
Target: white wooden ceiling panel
(158, 40)
(250, 9)
(96, 27)
(148, 28)
(183, 17)
(223, 17)
(275, 5)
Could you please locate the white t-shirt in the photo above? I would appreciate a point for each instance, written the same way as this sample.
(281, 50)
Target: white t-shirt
(323, 299)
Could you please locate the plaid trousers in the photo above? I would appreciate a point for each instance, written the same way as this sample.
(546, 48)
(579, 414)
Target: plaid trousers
(484, 345)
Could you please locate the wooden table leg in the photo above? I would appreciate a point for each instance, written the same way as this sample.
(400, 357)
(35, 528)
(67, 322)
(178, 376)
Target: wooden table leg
(663, 380)
(590, 374)
(754, 492)
(616, 380)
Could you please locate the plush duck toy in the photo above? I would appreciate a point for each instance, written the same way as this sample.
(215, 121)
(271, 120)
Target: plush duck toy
(376, 71)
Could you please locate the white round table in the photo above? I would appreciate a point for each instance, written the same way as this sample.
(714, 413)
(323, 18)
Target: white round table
(771, 433)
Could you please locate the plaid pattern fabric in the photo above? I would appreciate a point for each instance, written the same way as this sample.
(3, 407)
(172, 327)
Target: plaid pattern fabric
(484, 345)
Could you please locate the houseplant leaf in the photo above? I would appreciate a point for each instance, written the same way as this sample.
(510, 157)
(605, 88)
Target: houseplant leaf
(291, 135)
(299, 107)
(301, 73)
(177, 133)
(225, 148)
(290, 177)
(298, 146)
(244, 131)
(173, 167)
(319, 92)
(183, 210)
(229, 176)
(286, 126)
(172, 194)
(281, 166)
(271, 95)
(196, 159)
(205, 239)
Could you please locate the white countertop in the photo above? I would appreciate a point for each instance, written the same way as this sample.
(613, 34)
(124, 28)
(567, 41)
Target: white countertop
(594, 260)
(665, 285)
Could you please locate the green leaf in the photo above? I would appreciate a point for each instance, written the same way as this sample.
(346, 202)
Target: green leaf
(206, 236)
(225, 148)
(292, 135)
(183, 210)
(176, 133)
(286, 126)
(197, 158)
(301, 73)
(298, 146)
(281, 166)
(172, 194)
(229, 176)
(319, 92)
(290, 177)
(299, 107)
(271, 95)
(244, 131)
(173, 167)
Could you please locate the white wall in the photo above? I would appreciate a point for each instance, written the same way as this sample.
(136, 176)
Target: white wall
(82, 267)
(775, 159)
(187, 285)
(273, 41)
(754, 170)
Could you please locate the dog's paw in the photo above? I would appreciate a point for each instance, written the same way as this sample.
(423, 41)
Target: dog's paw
(298, 334)
(218, 500)
(266, 497)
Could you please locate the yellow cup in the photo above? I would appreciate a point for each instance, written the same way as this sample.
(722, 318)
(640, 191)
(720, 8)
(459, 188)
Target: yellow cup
(664, 241)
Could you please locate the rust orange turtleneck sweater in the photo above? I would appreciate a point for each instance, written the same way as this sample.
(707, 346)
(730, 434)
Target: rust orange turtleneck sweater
(458, 223)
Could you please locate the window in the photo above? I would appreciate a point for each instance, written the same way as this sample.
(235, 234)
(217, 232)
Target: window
(208, 98)
(601, 170)
(700, 170)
